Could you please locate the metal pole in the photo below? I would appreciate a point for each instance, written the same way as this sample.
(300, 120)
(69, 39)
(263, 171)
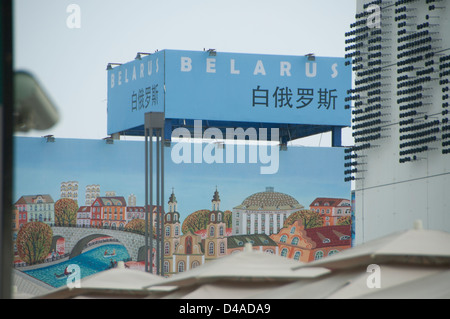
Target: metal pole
(155, 121)
(162, 201)
(146, 199)
(158, 209)
(151, 199)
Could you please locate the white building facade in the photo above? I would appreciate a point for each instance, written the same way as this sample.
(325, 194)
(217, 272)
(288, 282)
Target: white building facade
(263, 213)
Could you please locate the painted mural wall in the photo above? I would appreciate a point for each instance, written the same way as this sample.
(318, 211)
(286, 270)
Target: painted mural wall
(65, 188)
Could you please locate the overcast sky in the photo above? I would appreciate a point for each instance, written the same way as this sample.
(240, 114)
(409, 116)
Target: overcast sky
(70, 63)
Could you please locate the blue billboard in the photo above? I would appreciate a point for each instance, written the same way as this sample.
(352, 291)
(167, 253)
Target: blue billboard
(231, 87)
(135, 88)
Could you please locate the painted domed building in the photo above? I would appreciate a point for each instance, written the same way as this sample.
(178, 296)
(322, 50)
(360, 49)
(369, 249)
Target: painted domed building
(263, 213)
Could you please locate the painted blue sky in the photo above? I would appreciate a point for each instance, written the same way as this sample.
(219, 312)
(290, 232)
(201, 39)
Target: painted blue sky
(304, 173)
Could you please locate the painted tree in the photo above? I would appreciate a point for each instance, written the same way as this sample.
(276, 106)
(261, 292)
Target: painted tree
(347, 220)
(227, 218)
(195, 221)
(66, 212)
(308, 218)
(138, 226)
(34, 242)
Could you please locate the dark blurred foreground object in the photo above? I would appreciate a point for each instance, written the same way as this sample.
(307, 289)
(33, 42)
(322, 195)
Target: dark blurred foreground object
(33, 109)
(6, 147)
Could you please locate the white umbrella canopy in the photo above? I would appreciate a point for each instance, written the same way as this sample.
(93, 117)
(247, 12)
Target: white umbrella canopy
(434, 286)
(408, 264)
(416, 246)
(227, 289)
(120, 278)
(396, 281)
(227, 273)
(119, 282)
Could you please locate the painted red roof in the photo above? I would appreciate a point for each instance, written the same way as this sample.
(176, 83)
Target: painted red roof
(111, 201)
(32, 199)
(327, 236)
(332, 202)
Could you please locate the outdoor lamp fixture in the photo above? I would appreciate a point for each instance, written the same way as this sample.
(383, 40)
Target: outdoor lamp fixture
(33, 108)
(212, 52)
(49, 138)
(109, 67)
(139, 55)
(311, 57)
(109, 140)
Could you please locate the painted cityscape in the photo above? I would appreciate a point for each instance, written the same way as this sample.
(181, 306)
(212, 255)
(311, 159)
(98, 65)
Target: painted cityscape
(82, 202)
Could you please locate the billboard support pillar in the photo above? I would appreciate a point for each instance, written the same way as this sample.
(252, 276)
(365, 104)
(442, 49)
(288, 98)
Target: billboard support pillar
(154, 126)
(336, 137)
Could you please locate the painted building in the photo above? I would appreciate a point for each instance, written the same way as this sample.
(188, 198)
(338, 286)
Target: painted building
(131, 200)
(188, 254)
(109, 212)
(135, 212)
(91, 193)
(69, 190)
(216, 238)
(310, 244)
(15, 230)
(36, 208)
(22, 214)
(331, 209)
(263, 213)
(181, 252)
(84, 216)
(259, 242)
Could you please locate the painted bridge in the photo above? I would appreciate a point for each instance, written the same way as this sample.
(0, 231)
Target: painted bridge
(77, 238)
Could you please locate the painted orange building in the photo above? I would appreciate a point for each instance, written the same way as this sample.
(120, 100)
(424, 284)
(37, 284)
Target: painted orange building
(310, 244)
(331, 209)
(109, 212)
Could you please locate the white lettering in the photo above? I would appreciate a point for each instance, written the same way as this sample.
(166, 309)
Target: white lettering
(126, 75)
(181, 152)
(198, 127)
(285, 68)
(134, 73)
(186, 64)
(259, 68)
(308, 70)
(157, 66)
(335, 71)
(240, 134)
(141, 75)
(181, 132)
(73, 21)
(211, 148)
(189, 309)
(374, 279)
(112, 80)
(120, 78)
(374, 19)
(273, 158)
(233, 69)
(210, 65)
(73, 280)
(149, 67)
